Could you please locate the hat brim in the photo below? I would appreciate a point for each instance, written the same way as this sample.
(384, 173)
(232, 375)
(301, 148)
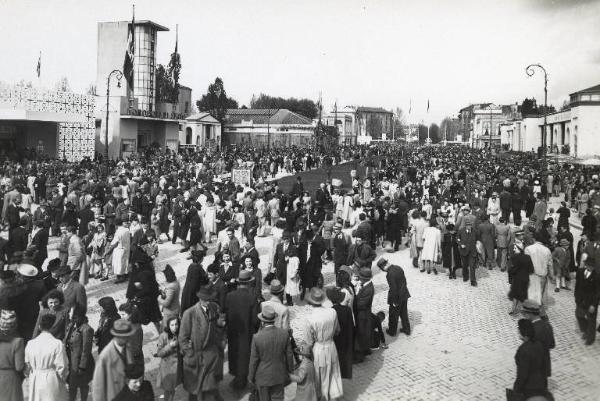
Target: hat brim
(264, 319)
(120, 334)
(309, 299)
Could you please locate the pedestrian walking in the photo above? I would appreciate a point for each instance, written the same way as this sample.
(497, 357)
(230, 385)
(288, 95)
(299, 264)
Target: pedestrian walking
(398, 295)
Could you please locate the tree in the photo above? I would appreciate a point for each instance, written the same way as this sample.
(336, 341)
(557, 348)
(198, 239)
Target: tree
(62, 85)
(165, 88)
(399, 124)
(449, 129)
(174, 69)
(374, 126)
(434, 133)
(530, 107)
(305, 107)
(91, 90)
(422, 133)
(215, 101)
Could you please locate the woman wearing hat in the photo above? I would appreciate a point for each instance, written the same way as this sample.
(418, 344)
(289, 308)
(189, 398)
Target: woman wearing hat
(12, 354)
(521, 268)
(321, 327)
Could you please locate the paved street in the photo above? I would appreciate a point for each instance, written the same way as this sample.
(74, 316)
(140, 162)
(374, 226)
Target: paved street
(462, 346)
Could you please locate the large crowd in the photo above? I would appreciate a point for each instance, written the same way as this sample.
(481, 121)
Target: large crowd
(456, 209)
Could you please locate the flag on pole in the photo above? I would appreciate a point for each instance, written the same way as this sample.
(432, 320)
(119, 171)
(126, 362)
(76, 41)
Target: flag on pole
(427, 105)
(39, 65)
(130, 53)
(409, 106)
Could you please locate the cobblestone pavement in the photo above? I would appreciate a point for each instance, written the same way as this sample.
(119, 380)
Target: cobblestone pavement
(462, 344)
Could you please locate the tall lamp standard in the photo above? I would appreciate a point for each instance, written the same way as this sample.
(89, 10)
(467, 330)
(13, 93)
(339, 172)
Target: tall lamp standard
(530, 70)
(118, 74)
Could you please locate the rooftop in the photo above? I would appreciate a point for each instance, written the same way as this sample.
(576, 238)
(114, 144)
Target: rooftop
(592, 89)
(364, 109)
(158, 27)
(266, 116)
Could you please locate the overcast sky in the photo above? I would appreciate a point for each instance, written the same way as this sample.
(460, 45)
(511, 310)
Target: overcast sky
(373, 53)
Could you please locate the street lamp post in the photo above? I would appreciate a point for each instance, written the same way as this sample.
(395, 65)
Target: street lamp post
(530, 70)
(118, 74)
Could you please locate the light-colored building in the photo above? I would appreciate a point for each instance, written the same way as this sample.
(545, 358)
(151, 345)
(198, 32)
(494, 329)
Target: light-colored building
(259, 127)
(573, 131)
(200, 130)
(480, 123)
(374, 122)
(136, 119)
(345, 120)
(57, 124)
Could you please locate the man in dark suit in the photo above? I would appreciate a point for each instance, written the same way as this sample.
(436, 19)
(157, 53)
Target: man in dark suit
(18, 236)
(271, 357)
(241, 309)
(250, 252)
(340, 244)
(365, 230)
(298, 188)
(322, 195)
(466, 238)
(40, 240)
(543, 330)
(362, 310)
(85, 217)
(72, 290)
(397, 297)
(283, 252)
(311, 263)
(360, 253)
(587, 296)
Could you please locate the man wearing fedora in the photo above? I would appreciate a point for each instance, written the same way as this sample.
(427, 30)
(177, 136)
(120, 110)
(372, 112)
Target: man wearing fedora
(587, 297)
(241, 307)
(283, 251)
(466, 238)
(340, 244)
(271, 358)
(543, 329)
(73, 291)
(199, 342)
(361, 253)
(109, 373)
(362, 311)
(276, 290)
(397, 297)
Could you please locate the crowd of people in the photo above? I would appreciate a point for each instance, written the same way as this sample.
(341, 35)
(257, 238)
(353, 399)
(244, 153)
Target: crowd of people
(457, 210)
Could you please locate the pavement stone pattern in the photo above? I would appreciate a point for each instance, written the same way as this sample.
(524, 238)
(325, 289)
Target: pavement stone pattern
(462, 344)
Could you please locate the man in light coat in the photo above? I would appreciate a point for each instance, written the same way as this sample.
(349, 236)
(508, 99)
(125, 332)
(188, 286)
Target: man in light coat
(541, 257)
(109, 374)
(504, 240)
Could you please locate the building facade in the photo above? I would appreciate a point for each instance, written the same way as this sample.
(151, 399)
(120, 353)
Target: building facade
(267, 127)
(573, 131)
(346, 125)
(200, 130)
(135, 119)
(56, 124)
(375, 123)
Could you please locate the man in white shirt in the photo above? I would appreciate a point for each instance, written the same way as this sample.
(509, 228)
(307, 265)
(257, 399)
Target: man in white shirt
(541, 257)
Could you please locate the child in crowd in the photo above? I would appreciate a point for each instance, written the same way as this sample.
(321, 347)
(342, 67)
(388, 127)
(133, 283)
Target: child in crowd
(304, 374)
(378, 336)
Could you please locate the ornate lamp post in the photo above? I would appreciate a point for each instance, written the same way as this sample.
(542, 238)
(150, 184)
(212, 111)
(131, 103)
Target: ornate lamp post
(530, 71)
(118, 74)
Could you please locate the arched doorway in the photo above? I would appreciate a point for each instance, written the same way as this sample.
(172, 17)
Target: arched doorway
(188, 136)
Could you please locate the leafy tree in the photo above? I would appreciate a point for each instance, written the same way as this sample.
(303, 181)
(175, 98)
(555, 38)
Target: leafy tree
(165, 88)
(215, 101)
(305, 107)
(399, 124)
(374, 126)
(422, 133)
(174, 70)
(434, 133)
(530, 107)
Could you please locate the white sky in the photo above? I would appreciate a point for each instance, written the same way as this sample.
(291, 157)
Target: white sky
(371, 53)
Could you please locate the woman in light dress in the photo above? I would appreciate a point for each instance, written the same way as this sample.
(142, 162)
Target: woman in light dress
(432, 247)
(47, 364)
(120, 247)
(209, 219)
(292, 283)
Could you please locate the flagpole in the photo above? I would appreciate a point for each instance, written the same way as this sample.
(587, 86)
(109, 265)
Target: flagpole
(39, 71)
